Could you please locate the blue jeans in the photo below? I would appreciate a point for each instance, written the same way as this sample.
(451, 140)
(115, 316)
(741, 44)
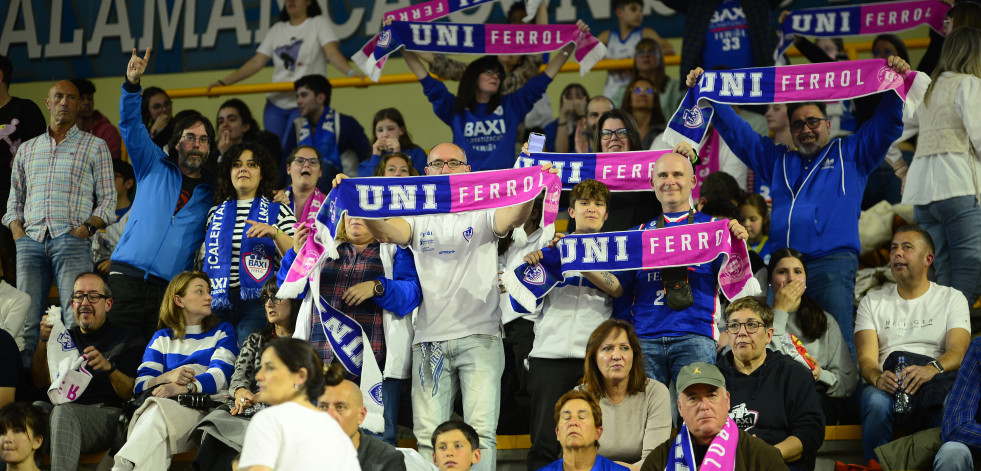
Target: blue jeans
(473, 363)
(953, 456)
(38, 264)
(876, 419)
(831, 282)
(279, 122)
(664, 357)
(954, 225)
(246, 315)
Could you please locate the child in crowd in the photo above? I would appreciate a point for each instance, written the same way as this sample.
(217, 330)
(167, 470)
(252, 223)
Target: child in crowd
(756, 219)
(455, 446)
(620, 44)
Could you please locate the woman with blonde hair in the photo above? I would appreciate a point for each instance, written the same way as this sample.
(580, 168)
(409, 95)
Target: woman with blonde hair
(636, 412)
(193, 352)
(943, 182)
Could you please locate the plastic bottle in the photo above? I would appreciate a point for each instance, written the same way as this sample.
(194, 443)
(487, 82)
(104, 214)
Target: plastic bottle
(901, 405)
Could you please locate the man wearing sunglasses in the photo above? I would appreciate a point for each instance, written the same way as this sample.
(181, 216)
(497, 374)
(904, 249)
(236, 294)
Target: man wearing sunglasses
(167, 217)
(817, 188)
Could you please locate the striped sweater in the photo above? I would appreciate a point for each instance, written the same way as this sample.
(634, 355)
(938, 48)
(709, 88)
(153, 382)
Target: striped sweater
(211, 354)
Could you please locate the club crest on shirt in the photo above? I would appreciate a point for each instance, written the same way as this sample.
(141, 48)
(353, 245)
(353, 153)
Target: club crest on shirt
(376, 393)
(257, 264)
(693, 117)
(534, 275)
(467, 234)
(744, 418)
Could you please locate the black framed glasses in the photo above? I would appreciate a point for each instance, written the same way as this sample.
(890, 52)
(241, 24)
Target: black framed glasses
(301, 161)
(191, 138)
(812, 123)
(752, 327)
(493, 72)
(453, 164)
(607, 134)
(92, 297)
(263, 299)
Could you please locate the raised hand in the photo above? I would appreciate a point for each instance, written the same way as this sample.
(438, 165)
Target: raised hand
(136, 66)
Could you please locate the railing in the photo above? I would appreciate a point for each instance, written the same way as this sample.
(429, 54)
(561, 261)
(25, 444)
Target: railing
(852, 49)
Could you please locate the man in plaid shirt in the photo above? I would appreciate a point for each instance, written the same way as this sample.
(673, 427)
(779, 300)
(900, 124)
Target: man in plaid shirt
(961, 428)
(61, 192)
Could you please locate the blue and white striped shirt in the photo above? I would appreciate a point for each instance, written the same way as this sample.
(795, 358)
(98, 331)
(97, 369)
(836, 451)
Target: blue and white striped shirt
(210, 354)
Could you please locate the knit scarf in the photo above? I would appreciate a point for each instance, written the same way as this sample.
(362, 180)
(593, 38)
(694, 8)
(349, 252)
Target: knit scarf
(830, 81)
(482, 39)
(255, 253)
(690, 244)
(619, 171)
(308, 213)
(721, 454)
(857, 20)
(324, 140)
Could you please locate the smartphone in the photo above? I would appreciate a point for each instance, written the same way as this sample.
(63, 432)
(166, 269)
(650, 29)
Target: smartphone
(536, 142)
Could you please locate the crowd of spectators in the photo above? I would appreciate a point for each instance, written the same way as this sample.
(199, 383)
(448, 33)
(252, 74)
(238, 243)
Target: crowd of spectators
(168, 239)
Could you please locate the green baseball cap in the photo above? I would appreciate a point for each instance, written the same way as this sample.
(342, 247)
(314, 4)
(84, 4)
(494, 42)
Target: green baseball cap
(699, 373)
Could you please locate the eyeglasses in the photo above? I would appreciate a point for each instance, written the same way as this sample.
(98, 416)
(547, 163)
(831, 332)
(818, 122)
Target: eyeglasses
(265, 298)
(812, 123)
(493, 72)
(752, 327)
(644, 91)
(300, 161)
(202, 141)
(92, 297)
(607, 134)
(452, 164)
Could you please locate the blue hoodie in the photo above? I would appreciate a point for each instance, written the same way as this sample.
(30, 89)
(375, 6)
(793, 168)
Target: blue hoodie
(156, 240)
(487, 136)
(816, 201)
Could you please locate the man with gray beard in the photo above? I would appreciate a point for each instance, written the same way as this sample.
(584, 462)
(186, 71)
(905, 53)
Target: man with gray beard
(174, 191)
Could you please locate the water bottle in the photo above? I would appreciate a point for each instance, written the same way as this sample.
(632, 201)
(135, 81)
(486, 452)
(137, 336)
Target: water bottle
(901, 405)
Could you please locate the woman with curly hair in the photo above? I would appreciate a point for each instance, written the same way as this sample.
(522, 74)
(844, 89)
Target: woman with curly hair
(247, 233)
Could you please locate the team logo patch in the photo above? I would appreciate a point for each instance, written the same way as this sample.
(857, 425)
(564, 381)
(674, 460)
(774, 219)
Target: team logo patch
(744, 418)
(376, 393)
(257, 264)
(693, 117)
(534, 275)
(467, 234)
(66, 342)
(385, 38)
(886, 76)
(734, 268)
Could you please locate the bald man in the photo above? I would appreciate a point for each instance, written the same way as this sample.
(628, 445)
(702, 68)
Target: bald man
(674, 330)
(346, 405)
(61, 192)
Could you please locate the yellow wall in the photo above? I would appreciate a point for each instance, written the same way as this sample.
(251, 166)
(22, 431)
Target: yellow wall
(362, 103)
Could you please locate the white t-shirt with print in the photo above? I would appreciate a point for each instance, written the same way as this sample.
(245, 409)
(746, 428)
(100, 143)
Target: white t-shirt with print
(296, 51)
(917, 325)
(456, 257)
(290, 436)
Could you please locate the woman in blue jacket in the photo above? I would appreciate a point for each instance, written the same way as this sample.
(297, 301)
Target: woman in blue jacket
(485, 122)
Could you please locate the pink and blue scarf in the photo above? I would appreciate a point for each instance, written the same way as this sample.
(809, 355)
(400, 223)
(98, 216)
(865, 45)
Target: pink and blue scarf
(425, 11)
(830, 81)
(857, 20)
(690, 244)
(619, 171)
(721, 454)
(482, 39)
(256, 262)
(388, 197)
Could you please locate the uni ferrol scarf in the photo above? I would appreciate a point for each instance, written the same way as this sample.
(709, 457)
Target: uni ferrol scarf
(387, 197)
(324, 140)
(855, 20)
(829, 81)
(352, 348)
(483, 39)
(255, 253)
(308, 213)
(721, 454)
(425, 11)
(311, 249)
(619, 171)
(690, 244)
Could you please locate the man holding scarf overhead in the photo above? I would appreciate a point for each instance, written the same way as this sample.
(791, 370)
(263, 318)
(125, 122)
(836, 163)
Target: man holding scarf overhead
(817, 188)
(458, 328)
(710, 440)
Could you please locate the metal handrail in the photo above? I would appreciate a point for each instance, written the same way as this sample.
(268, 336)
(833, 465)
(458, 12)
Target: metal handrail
(852, 49)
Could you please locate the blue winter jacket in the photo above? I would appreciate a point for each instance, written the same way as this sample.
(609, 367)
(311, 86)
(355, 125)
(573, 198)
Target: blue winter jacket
(156, 240)
(816, 201)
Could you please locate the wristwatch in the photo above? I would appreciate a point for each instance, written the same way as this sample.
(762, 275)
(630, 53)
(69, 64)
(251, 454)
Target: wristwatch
(190, 388)
(936, 364)
(379, 288)
(92, 230)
